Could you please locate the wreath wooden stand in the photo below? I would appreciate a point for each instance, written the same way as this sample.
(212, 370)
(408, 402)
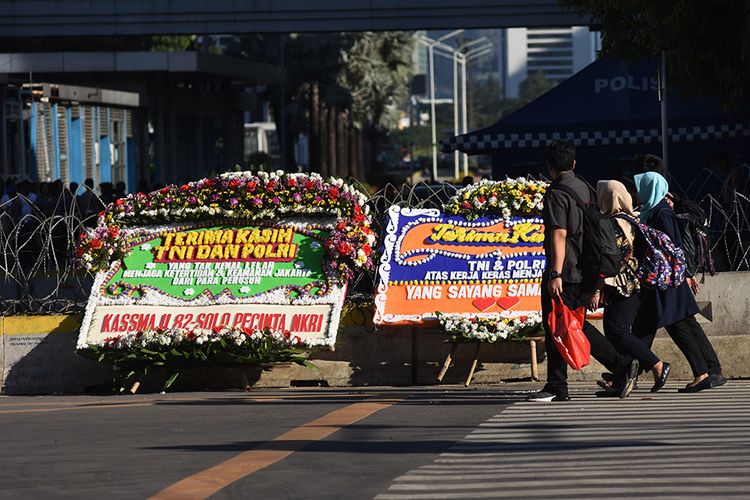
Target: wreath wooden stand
(477, 345)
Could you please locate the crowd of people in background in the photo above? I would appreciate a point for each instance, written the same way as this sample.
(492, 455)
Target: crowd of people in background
(22, 198)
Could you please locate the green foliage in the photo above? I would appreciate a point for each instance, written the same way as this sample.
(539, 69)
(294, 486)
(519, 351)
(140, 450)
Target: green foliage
(377, 72)
(534, 86)
(172, 43)
(707, 43)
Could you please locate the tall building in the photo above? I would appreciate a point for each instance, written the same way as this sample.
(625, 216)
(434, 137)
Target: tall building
(516, 54)
(556, 52)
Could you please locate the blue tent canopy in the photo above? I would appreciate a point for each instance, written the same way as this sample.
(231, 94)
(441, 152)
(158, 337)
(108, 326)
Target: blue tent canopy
(608, 103)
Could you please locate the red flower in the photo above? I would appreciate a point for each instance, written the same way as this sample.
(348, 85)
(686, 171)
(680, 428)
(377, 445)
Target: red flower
(234, 183)
(344, 248)
(96, 244)
(119, 202)
(357, 209)
(79, 251)
(208, 183)
(333, 193)
(164, 190)
(113, 231)
(359, 217)
(291, 182)
(481, 199)
(101, 214)
(270, 185)
(185, 187)
(251, 186)
(366, 249)
(341, 225)
(366, 230)
(309, 185)
(466, 204)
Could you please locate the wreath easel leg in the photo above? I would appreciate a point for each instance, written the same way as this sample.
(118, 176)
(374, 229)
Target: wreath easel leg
(473, 364)
(447, 362)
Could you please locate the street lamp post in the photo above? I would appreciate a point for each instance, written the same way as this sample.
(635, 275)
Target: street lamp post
(464, 58)
(431, 44)
(459, 55)
(431, 51)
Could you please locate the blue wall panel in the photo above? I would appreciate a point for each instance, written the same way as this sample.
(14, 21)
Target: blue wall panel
(75, 149)
(105, 160)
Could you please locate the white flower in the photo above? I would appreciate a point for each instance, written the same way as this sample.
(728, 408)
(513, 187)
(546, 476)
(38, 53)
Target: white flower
(188, 291)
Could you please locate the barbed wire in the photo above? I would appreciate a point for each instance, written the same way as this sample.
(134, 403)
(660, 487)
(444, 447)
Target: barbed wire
(38, 274)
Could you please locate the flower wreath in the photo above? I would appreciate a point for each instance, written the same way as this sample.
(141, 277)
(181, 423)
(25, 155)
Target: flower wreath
(505, 198)
(240, 196)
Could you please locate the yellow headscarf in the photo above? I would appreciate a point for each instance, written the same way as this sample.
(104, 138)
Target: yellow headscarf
(613, 198)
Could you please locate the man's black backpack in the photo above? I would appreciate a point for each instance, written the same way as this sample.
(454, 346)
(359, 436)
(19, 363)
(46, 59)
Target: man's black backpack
(600, 255)
(693, 224)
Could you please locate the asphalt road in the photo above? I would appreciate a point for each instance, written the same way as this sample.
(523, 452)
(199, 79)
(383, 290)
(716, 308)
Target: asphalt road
(387, 444)
(267, 444)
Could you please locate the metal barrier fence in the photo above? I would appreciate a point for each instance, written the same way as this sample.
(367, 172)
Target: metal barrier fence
(38, 275)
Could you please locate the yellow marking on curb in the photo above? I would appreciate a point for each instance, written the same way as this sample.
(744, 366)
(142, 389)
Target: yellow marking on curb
(207, 482)
(41, 325)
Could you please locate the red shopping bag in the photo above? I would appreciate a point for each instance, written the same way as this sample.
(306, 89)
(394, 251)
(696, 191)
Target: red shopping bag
(566, 327)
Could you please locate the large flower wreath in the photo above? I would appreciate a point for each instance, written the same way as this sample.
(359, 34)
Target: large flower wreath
(238, 196)
(505, 198)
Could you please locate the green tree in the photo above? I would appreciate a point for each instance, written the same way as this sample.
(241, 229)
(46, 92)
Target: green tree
(534, 86)
(707, 43)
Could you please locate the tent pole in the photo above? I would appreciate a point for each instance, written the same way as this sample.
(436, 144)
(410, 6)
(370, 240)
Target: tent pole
(663, 99)
(455, 112)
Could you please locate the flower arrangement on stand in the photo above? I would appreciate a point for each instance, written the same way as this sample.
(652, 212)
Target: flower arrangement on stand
(134, 355)
(517, 197)
(473, 329)
(234, 198)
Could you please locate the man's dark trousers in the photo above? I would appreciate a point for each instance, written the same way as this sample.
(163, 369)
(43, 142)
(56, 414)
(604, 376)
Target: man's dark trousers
(601, 349)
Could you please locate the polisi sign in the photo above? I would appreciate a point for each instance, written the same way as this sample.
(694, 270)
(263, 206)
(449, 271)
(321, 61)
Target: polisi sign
(619, 83)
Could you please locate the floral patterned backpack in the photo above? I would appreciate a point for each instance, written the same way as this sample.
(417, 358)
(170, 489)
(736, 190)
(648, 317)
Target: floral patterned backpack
(663, 264)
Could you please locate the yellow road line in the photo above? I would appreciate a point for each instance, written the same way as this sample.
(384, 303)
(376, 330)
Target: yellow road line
(207, 482)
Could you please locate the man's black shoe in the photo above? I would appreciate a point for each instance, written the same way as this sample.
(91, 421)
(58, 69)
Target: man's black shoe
(717, 379)
(544, 396)
(700, 386)
(663, 379)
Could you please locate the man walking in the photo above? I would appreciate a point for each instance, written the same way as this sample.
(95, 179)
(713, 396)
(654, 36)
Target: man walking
(563, 278)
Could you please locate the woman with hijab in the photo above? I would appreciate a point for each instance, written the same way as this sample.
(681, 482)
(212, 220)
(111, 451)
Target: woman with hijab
(673, 308)
(620, 295)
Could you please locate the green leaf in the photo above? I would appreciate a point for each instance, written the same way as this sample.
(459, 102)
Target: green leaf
(171, 380)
